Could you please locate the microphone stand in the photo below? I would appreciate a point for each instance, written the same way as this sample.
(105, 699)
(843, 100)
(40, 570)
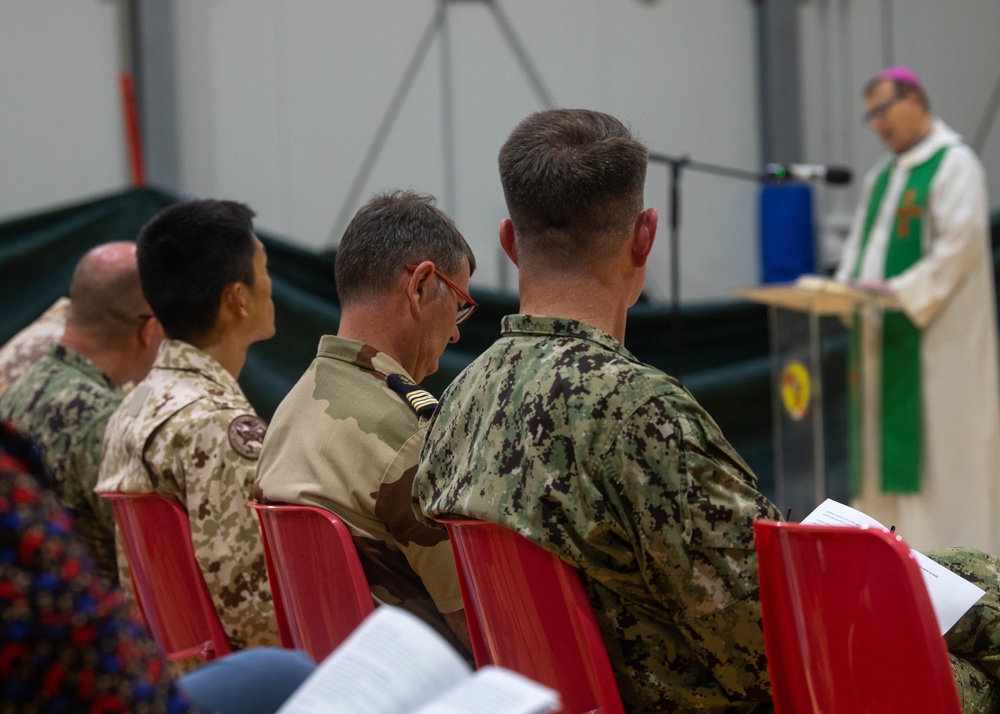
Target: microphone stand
(676, 164)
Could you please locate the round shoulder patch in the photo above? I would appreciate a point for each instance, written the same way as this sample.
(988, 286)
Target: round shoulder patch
(246, 435)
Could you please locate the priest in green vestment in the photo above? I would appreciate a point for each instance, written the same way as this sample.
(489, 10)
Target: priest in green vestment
(925, 445)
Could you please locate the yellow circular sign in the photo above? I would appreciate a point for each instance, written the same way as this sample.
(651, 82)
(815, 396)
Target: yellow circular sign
(795, 390)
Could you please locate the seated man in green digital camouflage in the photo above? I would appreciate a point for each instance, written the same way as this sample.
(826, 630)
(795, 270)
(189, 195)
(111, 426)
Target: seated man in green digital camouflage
(558, 432)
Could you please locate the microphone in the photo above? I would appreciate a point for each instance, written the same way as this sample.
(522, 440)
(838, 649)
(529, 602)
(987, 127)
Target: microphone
(808, 172)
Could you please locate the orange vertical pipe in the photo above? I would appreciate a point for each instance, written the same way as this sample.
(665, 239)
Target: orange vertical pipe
(132, 130)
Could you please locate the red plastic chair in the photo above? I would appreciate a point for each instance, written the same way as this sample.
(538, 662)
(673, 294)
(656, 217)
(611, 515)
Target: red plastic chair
(848, 624)
(527, 611)
(169, 586)
(319, 588)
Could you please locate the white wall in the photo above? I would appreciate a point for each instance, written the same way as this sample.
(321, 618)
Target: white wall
(61, 135)
(280, 99)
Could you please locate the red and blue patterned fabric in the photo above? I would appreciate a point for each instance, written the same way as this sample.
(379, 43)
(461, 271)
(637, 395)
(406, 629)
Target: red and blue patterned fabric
(68, 643)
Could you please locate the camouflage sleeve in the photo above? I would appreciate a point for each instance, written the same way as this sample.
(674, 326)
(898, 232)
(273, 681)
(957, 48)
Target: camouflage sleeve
(225, 534)
(98, 532)
(27, 346)
(425, 546)
(690, 512)
(974, 641)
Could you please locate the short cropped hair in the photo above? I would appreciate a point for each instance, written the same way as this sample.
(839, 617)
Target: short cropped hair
(187, 254)
(573, 180)
(392, 230)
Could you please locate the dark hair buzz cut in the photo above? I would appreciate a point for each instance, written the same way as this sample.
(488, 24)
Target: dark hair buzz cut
(187, 254)
(571, 177)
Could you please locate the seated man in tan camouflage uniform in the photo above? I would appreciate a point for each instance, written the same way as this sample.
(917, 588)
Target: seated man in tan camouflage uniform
(559, 432)
(187, 431)
(64, 401)
(348, 435)
(20, 352)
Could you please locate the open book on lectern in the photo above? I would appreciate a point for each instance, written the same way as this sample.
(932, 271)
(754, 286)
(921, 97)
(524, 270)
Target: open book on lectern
(951, 594)
(885, 298)
(394, 663)
(820, 295)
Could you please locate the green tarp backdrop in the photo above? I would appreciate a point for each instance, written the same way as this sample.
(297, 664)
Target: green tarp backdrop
(724, 356)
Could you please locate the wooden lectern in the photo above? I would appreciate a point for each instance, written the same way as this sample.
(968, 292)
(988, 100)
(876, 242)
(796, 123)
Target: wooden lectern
(797, 394)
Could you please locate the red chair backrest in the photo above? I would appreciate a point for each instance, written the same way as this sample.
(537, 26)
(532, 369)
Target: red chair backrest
(848, 623)
(319, 588)
(169, 586)
(527, 611)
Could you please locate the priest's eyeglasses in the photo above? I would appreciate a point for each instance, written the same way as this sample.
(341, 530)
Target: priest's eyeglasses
(881, 109)
(466, 307)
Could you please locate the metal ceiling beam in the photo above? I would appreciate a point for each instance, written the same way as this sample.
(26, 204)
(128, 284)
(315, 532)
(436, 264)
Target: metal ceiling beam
(778, 70)
(153, 38)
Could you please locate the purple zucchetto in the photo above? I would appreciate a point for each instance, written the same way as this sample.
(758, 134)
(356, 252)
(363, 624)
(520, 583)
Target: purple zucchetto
(901, 74)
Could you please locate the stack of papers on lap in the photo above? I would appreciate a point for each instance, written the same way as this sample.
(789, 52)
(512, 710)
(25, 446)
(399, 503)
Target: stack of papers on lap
(394, 663)
(951, 595)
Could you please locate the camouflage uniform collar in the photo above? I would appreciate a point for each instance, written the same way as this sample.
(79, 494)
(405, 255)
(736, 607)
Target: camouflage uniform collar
(542, 325)
(76, 361)
(182, 356)
(361, 355)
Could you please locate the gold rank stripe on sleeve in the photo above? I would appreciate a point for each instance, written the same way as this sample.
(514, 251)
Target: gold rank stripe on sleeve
(420, 400)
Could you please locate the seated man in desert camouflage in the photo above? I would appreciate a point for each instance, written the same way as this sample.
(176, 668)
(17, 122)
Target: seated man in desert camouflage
(21, 351)
(187, 431)
(348, 435)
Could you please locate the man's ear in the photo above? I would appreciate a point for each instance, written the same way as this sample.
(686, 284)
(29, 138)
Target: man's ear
(149, 331)
(507, 240)
(234, 300)
(418, 286)
(643, 235)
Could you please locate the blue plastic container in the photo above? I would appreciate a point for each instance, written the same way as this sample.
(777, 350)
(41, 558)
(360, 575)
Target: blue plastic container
(787, 233)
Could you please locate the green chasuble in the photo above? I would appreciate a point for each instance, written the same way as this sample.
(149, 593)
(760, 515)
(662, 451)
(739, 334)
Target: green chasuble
(901, 409)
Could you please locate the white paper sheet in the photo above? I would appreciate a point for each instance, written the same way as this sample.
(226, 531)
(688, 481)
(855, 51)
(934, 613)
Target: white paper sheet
(394, 663)
(951, 595)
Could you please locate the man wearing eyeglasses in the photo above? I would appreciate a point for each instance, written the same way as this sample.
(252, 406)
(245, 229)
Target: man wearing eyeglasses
(348, 436)
(930, 434)
(63, 403)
